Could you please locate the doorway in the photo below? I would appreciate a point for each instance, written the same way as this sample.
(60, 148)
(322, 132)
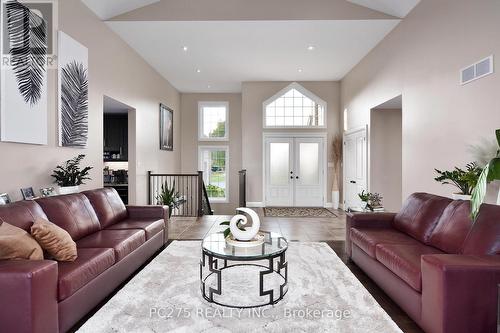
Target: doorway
(386, 152)
(355, 166)
(119, 148)
(294, 171)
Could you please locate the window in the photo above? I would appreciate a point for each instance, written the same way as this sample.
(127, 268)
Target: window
(294, 106)
(213, 121)
(214, 162)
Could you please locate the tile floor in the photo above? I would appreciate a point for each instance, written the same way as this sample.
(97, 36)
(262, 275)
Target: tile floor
(293, 228)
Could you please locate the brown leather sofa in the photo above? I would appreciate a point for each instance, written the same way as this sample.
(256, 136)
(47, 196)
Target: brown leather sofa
(112, 241)
(440, 268)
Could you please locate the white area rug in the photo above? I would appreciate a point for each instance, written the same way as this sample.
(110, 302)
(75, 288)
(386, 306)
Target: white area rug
(323, 296)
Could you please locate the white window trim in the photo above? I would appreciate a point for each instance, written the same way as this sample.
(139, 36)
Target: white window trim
(201, 105)
(200, 167)
(303, 91)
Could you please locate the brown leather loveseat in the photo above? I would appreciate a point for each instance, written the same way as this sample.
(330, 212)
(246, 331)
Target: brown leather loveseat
(442, 269)
(112, 242)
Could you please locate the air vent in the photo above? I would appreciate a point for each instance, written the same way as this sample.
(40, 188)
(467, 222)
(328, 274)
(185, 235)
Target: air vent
(477, 70)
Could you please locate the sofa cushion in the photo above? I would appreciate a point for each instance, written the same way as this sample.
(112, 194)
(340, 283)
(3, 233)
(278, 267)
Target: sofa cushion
(150, 226)
(368, 238)
(21, 214)
(108, 205)
(404, 261)
(17, 244)
(484, 237)
(123, 242)
(452, 228)
(72, 212)
(89, 264)
(54, 240)
(420, 214)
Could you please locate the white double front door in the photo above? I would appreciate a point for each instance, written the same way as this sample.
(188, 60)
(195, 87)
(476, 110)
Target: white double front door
(294, 171)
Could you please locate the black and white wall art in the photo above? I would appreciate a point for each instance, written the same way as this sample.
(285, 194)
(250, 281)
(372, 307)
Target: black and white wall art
(73, 92)
(23, 96)
(166, 128)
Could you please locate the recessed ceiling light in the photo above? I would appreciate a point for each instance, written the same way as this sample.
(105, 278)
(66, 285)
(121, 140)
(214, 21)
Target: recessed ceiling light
(209, 86)
(299, 70)
(198, 71)
(311, 47)
(184, 48)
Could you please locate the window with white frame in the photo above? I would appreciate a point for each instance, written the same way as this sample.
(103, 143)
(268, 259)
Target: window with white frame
(294, 106)
(214, 162)
(213, 121)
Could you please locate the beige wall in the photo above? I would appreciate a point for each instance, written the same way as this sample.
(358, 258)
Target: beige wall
(190, 141)
(253, 95)
(385, 156)
(421, 59)
(117, 71)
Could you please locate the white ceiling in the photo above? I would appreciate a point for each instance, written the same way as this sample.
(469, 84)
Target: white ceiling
(395, 103)
(111, 105)
(230, 52)
(398, 8)
(107, 9)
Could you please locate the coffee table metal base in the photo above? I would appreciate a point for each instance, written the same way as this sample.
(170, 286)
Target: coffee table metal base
(212, 263)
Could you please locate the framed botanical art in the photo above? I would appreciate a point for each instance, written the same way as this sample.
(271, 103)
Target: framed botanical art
(73, 92)
(166, 128)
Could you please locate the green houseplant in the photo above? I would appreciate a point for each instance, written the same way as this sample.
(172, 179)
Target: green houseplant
(489, 173)
(371, 200)
(70, 176)
(463, 179)
(170, 197)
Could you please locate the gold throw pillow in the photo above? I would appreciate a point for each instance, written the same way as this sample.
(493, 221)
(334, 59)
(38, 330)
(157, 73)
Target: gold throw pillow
(55, 240)
(15, 244)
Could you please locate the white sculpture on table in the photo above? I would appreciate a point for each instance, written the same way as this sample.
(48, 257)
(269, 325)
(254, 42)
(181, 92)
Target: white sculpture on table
(250, 232)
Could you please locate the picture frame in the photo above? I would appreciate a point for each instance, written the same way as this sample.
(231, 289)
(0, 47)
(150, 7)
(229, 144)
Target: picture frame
(4, 199)
(48, 192)
(28, 193)
(166, 128)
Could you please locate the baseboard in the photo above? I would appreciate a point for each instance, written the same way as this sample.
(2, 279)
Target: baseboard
(255, 204)
(328, 205)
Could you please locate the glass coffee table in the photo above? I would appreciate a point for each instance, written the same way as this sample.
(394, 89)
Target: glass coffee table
(265, 262)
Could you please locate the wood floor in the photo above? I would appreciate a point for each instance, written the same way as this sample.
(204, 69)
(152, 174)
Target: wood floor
(329, 230)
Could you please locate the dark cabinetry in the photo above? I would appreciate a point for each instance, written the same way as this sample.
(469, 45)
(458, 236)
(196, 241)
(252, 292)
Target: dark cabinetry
(116, 137)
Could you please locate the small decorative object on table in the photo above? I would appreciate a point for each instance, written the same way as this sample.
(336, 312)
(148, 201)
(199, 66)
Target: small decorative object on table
(47, 192)
(4, 199)
(28, 193)
(372, 201)
(70, 176)
(464, 180)
(238, 235)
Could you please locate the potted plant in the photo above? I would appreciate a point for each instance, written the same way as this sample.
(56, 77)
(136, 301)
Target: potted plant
(337, 158)
(464, 180)
(489, 173)
(370, 200)
(168, 196)
(69, 176)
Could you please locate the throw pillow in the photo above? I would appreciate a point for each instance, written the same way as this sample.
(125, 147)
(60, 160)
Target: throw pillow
(55, 240)
(15, 244)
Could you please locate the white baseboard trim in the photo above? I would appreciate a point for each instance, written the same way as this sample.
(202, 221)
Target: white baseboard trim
(328, 205)
(255, 204)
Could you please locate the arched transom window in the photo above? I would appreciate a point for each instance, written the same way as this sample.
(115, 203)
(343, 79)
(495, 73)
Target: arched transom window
(294, 106)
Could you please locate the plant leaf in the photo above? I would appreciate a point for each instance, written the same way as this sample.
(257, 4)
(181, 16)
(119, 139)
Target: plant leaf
(498, 136)
(28, 50)
(479, 193)
(227, 232)
(74, 105)
(225, 223)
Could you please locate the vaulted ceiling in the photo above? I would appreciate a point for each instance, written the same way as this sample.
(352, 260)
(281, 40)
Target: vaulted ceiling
(214, 45)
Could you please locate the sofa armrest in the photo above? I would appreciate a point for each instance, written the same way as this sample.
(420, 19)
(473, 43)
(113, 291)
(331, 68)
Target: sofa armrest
(151, 212)
(28, 298)
(460, 293)
(365, 220)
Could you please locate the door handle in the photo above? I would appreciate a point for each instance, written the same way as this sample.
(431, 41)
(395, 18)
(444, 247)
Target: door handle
(352, 182)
